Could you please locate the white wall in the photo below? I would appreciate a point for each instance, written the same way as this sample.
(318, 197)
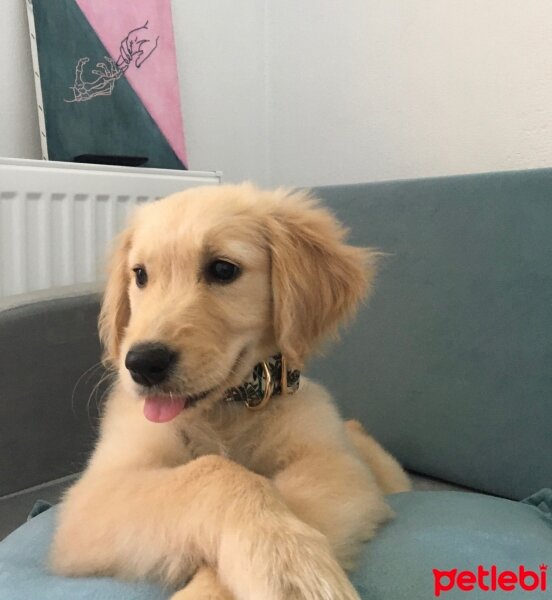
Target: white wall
(379, 89)
(318, 91)
(19, 135)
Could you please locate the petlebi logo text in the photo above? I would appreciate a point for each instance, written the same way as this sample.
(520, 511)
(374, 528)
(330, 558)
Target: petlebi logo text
(490, 579)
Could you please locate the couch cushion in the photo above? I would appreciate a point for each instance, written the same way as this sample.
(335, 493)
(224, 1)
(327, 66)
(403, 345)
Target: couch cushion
(24, 574)
(455, 530)
(449, 364)
(432, 530)
(14, 508)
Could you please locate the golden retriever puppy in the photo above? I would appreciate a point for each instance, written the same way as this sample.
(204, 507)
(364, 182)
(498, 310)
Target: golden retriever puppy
(218, 464)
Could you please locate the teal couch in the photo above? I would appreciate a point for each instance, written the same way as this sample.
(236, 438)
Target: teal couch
(449, 365)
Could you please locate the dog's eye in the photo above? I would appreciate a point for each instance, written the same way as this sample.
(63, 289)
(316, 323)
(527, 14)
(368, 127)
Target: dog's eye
(222, 271)
(141, 276)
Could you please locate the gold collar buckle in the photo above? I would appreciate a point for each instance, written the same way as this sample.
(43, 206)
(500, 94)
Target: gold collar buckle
(269, 389)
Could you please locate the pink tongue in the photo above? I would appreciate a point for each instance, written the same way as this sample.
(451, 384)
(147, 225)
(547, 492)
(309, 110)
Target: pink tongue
(161, 409)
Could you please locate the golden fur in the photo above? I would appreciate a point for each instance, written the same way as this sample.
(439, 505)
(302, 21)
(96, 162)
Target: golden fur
(267, 505)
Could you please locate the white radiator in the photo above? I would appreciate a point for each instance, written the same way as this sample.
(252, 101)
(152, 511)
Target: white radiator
(56, 219)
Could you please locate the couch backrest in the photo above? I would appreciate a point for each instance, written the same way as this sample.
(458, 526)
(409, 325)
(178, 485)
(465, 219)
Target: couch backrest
(450, 364)
(49, 353)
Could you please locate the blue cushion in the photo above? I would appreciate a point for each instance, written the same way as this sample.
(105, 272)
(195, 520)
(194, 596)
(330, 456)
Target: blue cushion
(24, 576)
(433, 530)
(454, 530)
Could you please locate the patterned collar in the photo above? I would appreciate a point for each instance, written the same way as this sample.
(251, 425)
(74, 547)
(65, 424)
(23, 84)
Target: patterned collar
(268, 378)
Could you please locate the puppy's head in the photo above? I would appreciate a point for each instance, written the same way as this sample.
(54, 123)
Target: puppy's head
(207, 283)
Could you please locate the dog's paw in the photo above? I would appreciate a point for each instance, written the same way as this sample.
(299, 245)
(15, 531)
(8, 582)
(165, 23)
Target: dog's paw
(311, 572)
(289, 560)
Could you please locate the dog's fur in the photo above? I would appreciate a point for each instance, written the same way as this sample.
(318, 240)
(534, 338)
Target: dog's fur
(266, 505)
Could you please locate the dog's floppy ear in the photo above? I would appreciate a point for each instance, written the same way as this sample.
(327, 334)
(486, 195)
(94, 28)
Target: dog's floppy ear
(115, 311)
(318, 280)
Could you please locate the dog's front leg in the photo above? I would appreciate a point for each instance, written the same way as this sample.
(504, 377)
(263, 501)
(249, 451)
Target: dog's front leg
(335, 492)
(165, 522)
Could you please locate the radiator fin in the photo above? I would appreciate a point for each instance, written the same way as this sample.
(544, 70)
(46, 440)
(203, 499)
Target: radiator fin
(49, 240)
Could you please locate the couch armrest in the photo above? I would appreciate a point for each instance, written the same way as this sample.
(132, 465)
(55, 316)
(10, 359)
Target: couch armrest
(49, 367)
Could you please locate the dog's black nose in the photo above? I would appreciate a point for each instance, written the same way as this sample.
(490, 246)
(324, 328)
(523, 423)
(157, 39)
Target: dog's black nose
(150, 364)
